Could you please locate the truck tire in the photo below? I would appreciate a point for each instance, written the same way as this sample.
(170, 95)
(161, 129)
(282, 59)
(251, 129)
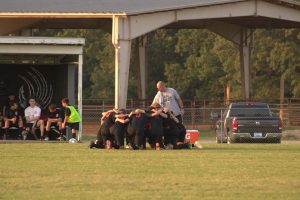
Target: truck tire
(276, 140)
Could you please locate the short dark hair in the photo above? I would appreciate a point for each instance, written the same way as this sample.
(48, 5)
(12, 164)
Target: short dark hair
(122, 111)
(31, 98)
(65, 100)
(12, 103)
(52, 106)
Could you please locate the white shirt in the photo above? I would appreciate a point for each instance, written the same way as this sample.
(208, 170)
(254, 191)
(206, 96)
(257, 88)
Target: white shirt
(32, 112)
(168, 99)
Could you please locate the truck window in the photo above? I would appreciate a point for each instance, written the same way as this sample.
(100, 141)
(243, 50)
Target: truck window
(249, 110)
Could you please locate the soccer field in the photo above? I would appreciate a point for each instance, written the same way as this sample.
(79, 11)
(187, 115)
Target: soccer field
(72, 171)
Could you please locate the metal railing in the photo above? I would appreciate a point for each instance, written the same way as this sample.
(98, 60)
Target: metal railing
(205, 119)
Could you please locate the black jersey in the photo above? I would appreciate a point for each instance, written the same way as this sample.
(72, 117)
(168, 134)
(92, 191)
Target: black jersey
(156, 125)
(54, 115)
(109, 119)
(138, 121)
(8, 102)
(67, 111)
(9, 113)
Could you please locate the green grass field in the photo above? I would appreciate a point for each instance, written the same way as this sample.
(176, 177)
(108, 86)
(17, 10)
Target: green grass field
(72, 171)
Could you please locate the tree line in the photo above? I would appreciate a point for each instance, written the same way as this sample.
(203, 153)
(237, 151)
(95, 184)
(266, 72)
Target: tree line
(198, 63)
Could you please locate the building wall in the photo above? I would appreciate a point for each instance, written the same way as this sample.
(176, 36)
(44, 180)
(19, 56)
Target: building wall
(47, 83)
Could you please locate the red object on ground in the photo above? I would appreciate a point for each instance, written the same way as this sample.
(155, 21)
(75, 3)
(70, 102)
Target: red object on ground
(108, 144)
(191, 136)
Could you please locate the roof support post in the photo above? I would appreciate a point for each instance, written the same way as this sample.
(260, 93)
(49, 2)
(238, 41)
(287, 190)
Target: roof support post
(79, 97)
(142, 42)
(243, 38)
(71, 83)
(124, 30)
(122, 60)
(245, 60)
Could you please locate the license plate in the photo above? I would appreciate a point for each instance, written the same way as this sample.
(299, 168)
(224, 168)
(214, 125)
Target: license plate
(257, 135)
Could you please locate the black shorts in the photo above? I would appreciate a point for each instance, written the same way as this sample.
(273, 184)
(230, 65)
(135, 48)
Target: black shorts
(74, 125)
(16, 125)
(53, 125)
(29, 125)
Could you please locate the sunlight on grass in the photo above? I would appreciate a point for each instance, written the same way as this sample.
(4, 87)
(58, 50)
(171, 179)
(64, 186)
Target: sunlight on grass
(65, 171)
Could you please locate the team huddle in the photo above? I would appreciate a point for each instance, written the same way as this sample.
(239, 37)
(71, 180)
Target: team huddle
(156, 125)
(160, 125)
(18, 123)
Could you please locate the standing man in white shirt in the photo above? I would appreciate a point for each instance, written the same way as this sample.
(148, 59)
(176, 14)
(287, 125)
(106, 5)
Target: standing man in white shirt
(169, 98)
(33, 121)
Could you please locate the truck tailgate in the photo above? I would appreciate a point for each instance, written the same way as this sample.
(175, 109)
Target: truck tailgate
(258, 125)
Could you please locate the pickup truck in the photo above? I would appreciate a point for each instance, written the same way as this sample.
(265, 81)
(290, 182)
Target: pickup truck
(244, 121)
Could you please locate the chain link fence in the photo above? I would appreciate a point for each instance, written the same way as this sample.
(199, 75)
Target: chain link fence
(206, 118)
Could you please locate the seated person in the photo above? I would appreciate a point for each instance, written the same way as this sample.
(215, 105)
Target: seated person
(10, 98)
(33, 121)
(1, 122)
(54, 119)
(12, 118)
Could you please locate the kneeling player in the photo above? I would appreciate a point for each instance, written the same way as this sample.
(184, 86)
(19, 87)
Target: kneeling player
(156, 126)
(171, 130)
(103, 136)
(136, 129)
(119, 128)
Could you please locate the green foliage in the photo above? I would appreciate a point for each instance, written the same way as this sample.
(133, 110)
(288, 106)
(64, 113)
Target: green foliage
(197, 63)
(197, 72)
(275, 55)
(161, 50)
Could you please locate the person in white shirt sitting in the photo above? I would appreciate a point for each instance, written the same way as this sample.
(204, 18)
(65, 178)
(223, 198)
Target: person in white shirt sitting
(33, 121)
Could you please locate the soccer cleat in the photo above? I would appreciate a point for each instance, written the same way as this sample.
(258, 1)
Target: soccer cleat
(24, 134)
(157, 147)
(62, 138)
(108, 144)
(197, 145)
(92, 144)
(46, 138)
(169, 147)
(189, 145)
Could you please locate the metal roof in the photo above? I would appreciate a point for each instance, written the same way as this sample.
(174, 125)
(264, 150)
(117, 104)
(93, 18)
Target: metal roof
(41, 40)
(102, 6)
(126, 7)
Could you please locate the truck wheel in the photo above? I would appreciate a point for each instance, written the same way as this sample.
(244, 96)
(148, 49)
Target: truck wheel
(276, 140)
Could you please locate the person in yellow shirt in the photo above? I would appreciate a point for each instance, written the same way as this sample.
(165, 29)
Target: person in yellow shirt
(72, 117)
